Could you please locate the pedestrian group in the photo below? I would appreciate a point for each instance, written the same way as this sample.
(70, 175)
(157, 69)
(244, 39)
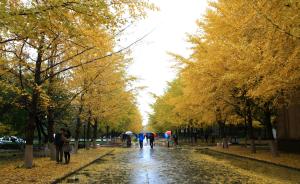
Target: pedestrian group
(62, 145)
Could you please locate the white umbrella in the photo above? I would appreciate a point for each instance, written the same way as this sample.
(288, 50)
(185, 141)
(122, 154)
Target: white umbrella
(128, 133)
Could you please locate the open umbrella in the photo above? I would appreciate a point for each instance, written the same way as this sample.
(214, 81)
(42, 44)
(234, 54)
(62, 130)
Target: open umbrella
(168, 132)
(148, 133)
(128, 133)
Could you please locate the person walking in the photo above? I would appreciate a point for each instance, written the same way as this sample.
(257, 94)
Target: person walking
(151, 138)
(58, 141)
(128, 141)
(123, 137)
(206, 136)
(66, 146)
(175, 139)
(147, 137)
(168, 137)
(141, 140)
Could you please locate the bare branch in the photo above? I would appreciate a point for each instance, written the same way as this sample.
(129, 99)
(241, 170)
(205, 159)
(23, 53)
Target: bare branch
(68, 59)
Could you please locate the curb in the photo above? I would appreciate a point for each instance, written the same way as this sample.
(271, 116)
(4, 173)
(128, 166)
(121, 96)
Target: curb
(80, 168)
(249, 158)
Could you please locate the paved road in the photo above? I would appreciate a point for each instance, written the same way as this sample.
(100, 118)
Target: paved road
(163, 165)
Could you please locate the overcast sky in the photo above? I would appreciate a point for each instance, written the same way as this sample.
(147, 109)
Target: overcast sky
(151, 63)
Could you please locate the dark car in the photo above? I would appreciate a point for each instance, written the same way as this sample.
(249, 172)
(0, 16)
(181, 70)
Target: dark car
(11, 142)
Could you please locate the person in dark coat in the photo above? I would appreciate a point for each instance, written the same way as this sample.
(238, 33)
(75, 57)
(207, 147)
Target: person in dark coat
(58, 142)
(147, 137)
(175, 138)
(124, 137)
(151, 138)
(67, 147)
(128, 141)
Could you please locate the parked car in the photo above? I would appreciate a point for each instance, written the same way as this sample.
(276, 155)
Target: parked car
(11, 142)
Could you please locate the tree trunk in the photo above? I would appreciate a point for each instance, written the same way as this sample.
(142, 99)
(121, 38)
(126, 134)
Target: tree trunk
(269, 133)
(250, 129)
(38, 128)
(225, 142)
(77, 133)
(196, 135)
(78, 125)
(52, 151)
(186, 135)
(95, 133)
(46, 137)
(29, 141)
(107, 132)
(223, 134)
(31, 124)
(50, 116)
(252, 140)
(50, 130)
(274, 148)
(246, 133)
(190, 134)
(272, 143)
(88, 135)
(29, 132)
(28, 162)
(252, 145)
(112, 135)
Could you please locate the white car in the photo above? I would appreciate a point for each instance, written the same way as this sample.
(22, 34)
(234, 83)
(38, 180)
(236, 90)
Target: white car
(11, 142)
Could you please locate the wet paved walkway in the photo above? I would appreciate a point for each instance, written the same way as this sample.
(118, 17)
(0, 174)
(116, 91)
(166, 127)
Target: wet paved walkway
(163, 165)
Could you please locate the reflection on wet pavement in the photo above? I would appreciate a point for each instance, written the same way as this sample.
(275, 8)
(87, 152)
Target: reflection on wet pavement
(163, 165)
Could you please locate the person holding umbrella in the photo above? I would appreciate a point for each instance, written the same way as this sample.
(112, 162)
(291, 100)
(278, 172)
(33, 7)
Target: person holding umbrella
(128, 138)
(151, 138)
(141, 140)
(168, 136)
(128, 141)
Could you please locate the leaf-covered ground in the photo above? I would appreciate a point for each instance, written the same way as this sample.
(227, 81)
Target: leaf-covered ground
(289, 159)
(45, 170)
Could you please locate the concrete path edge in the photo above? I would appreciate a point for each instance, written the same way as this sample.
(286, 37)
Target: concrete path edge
(57, 180)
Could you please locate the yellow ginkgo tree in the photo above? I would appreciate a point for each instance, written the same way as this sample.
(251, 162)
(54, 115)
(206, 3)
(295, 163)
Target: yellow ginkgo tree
(41, 41)
(244, 65)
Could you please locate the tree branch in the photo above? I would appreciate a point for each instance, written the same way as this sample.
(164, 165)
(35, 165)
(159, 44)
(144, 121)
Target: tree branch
(97, 58)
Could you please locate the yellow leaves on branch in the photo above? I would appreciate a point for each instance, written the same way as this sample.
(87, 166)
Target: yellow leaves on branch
(244, 50)
(104, 86)
(60, 48)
